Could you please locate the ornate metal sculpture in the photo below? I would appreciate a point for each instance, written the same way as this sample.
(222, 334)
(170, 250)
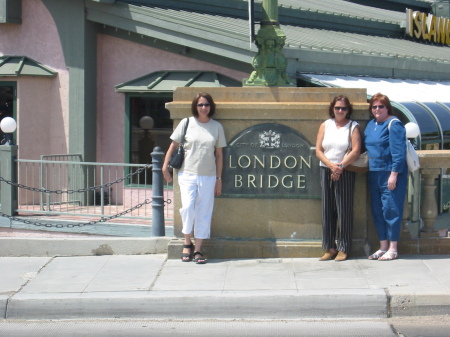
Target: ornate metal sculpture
(269, 63)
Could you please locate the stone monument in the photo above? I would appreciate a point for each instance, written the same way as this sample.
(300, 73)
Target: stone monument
(271, 204)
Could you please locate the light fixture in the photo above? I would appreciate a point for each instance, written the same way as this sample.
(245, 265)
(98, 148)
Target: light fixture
(146, 123)
(8, 126)
(412, 130)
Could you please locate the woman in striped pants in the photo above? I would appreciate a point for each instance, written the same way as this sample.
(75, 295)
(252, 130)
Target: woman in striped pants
(333, 142)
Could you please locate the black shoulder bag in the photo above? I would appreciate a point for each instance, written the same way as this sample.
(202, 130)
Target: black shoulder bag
(178, 156)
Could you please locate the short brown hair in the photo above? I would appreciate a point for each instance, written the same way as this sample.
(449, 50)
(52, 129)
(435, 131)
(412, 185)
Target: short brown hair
(347, 103)
(208, 97)
(383, 99)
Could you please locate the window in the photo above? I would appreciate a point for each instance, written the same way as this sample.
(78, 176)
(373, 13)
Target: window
(149, 126)
(7, 101)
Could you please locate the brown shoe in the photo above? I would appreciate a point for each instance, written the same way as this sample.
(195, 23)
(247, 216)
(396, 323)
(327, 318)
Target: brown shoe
(341, 257)
(328, 256)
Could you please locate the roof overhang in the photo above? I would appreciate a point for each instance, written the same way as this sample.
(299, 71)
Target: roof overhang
(167, 81)
(23, 66)
(426, 103)
(313, 44)
(397, 89)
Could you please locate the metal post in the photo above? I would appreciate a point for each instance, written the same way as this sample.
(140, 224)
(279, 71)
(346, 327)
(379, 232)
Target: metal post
(102, 190)
(8, 165)
(158, 228)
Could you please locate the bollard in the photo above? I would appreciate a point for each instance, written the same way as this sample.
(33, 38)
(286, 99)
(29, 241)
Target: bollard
(8, 169)
(158, 228)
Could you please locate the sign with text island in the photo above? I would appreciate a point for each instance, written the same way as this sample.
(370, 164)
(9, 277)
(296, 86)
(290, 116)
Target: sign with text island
(270, 161)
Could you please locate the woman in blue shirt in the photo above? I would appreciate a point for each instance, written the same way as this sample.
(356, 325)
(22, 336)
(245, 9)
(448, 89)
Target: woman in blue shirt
(385, 139)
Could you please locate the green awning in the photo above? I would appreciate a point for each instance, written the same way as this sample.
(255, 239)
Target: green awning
(167, 81)
(23, 66)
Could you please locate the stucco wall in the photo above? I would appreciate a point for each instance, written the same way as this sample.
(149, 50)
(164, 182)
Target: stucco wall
(42, 103)
(120, 61)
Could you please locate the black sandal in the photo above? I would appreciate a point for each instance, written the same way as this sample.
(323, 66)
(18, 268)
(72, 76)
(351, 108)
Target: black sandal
(187, 257)
(199, 260)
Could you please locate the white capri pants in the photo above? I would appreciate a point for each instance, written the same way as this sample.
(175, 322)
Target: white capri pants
(197, 200)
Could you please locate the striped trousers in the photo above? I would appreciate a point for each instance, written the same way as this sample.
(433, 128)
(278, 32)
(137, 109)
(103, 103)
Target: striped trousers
(337, 210)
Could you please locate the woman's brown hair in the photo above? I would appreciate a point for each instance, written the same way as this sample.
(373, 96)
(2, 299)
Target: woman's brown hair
(347, 103)
(383, 99)
(205, 95)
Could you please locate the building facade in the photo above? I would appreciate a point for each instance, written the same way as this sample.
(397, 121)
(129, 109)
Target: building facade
(92, 77)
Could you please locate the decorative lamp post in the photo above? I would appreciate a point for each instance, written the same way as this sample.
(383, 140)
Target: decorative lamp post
(269, 62)
(8, 167)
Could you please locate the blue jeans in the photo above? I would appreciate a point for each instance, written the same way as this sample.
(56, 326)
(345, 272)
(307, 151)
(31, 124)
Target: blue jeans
(387, 206)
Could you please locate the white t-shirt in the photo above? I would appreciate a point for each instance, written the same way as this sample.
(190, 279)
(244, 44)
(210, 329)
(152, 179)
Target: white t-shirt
(200, 143)
(335, 141)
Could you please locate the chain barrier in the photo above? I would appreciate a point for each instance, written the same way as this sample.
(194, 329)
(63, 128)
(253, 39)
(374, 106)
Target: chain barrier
(93, 188)
(81, 224)
(81, 190)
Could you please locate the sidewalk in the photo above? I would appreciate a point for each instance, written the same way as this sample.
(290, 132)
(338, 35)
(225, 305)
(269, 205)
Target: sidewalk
(150, 286)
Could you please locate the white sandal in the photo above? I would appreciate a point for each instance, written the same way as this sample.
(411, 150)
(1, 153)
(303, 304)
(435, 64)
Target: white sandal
(388, 256)
(377, 255)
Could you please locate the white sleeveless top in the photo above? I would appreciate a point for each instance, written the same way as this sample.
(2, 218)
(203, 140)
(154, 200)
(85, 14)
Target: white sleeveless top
(335, 141)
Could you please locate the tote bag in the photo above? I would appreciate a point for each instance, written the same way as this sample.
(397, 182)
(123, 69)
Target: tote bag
(361, 164)
(412, 158)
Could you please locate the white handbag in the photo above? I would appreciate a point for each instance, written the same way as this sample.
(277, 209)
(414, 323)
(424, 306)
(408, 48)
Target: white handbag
(412, 158)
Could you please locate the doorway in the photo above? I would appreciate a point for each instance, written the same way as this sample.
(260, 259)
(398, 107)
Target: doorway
(149, 126)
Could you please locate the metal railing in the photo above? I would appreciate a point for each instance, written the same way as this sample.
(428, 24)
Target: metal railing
(55, 186)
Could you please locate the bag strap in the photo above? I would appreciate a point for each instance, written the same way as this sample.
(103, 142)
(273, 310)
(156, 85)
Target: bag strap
(349, 148)
(390, 122)
(184, 130)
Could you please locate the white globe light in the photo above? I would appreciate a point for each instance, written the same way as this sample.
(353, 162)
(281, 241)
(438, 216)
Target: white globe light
(8, 125)
(146, 122)
(412, 130)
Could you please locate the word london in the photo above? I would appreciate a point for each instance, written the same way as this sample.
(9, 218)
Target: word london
(271, 163)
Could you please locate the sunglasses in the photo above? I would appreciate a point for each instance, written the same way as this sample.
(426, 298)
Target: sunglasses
(343, 108)
(201, 105)
(374, 107)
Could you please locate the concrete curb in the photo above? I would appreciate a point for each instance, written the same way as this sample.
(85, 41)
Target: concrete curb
(3, 305)
(419, 305)
(82, 246)
(201, 305)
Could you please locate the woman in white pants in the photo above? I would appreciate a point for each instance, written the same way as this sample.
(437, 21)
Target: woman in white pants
(200, 177)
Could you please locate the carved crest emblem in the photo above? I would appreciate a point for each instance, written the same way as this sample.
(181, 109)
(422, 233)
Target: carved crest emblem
(269, 140)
